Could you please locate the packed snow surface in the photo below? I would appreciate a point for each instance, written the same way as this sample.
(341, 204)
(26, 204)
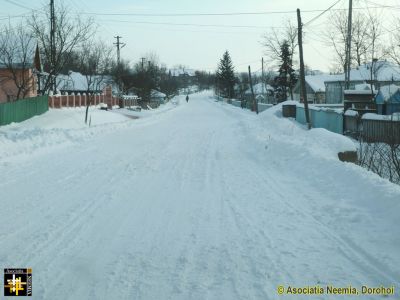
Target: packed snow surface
(197, 200)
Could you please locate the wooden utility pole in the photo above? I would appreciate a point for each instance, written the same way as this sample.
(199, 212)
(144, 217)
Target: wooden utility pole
(302, 73)
(348, 46)
(53, 84)
(262, 76)
(255, 105)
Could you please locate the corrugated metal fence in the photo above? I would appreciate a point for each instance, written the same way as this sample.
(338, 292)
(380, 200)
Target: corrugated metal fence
(380, 131)
(322, 118)
(370, 130)
(23, 109)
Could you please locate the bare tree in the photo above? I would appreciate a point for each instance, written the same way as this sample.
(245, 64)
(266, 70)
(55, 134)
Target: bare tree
(366, 34)
(276, 40)
(17, 58)
(70, 32)
(94, 63)
(393, 51)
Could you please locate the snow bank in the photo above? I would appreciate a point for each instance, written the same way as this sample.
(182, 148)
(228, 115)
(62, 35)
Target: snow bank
(317, 141)
(54, 128)
(66, 126)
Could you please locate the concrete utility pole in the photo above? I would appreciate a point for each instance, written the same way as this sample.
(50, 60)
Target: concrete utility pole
(302, 73)
(143, 59)
(119, 47)
(53, 84)
(348, 46)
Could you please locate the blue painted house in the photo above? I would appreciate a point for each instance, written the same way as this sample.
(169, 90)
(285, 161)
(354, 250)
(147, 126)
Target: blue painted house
(388, 99)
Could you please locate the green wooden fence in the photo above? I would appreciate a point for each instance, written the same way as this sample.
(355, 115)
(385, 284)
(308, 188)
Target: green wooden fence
(23, 109)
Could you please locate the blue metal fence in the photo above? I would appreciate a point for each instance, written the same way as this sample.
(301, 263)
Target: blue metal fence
(322, 118)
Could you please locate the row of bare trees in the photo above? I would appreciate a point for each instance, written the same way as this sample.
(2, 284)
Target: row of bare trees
(370, 40)
(367, 34)
(76, 48)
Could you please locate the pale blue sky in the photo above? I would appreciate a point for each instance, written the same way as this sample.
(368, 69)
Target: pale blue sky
(201, 47)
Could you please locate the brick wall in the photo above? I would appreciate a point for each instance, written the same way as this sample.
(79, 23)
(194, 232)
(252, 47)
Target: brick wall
(78, 100)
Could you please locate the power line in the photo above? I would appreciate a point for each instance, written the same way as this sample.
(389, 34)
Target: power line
(13, 16)
(18, 4)
(230, 13)
(21, 5)
(86, 7)
(322, 13)
(192, 24)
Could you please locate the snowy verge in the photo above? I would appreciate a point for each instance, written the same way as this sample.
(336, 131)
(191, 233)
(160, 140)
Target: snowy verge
(317, 141)
(61, 127)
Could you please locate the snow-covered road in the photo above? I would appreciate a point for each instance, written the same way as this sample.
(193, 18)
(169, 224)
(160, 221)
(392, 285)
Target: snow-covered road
(204, 201)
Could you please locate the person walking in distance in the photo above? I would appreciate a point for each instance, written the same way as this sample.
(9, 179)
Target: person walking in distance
(187, 98)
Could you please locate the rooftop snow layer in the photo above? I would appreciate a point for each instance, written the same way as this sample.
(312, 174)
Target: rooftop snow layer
(384, 71)
(317, 82)
(389, 90)
(258, 88)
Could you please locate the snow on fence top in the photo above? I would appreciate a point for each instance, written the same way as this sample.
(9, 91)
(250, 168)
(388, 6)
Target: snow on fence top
(371, 116)
(323, 107)
(351, 113)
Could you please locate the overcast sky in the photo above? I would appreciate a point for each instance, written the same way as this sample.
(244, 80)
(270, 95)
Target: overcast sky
(200, 45)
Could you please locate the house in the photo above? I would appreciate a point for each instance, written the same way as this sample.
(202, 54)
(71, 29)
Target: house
(388, 99)
(378, 73)
(182, 72)
(264, 93)
(157, 98)
(315, 88)
(184, 76)
(18, 69)
(75, 82)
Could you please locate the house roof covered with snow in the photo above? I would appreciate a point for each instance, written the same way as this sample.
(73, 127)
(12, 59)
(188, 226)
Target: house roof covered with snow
(389, 90)
(381, 71)
(361, 89)
(258, 88)
(317, 82)
(157, 94)
(75, 81)
(181, 71)
(388, 93)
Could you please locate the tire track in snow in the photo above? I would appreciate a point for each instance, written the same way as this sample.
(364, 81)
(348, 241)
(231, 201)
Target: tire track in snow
(365, 263)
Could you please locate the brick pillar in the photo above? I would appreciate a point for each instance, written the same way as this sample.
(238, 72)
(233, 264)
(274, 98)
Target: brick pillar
(67, 96)
(73, 99)
(108, 96)
(80, 99)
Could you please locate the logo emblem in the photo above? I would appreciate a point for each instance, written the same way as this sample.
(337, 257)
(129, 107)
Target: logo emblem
(17, 282)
